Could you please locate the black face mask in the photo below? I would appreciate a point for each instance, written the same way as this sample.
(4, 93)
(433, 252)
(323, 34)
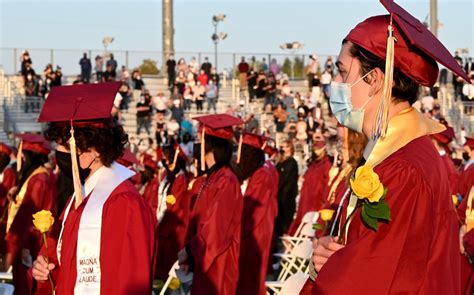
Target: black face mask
(63, 160)
(465, 156)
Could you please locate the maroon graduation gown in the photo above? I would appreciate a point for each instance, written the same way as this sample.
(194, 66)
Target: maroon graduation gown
(39, 196)
(258, 220)
(214, 232)
(127, 245)
(417, 252)
(171, 230)
(150, 194)
(313, 191)
(466, 181)
(453, 175)
(9, 181)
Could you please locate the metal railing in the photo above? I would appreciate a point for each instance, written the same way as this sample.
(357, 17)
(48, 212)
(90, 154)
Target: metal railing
(68, 59)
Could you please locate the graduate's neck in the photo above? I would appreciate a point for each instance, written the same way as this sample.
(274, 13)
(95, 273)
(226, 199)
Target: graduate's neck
(395, 108)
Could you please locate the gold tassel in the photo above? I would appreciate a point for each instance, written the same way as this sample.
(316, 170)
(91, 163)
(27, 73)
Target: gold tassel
(75, 171)
(203, 152)
(239, 149)
(264, 145)
(19, 157)
(381, 119)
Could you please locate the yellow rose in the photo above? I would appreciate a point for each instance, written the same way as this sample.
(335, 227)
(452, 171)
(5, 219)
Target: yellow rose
(326, 214)
(170, 200)
(43, 220)
(174, 284)
(367, 185)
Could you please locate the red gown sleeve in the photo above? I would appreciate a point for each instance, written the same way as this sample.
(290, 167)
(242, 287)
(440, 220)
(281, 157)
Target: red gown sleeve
(415, 253)
(214, 235)
(128, 227)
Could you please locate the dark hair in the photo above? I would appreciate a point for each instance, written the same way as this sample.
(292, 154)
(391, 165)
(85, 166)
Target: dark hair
(250, 160)
(4, 161)
(32, 161)
(221, 148)
(404, 88)
(109, 142)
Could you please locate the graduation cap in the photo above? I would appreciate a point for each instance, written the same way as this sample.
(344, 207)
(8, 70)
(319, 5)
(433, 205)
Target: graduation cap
(405, 43)
(469, 142)
(147, 161)
(218, 125)
(128, 158)
(5, 149)
(31, 142)
(178, 153)
(80, 105)
(446, 136)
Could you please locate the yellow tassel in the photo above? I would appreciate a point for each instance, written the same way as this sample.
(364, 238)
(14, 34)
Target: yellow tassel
(75, 171)
(239, 150)
(264, 145)
(203, 152)
(19, 157)
(381, 119)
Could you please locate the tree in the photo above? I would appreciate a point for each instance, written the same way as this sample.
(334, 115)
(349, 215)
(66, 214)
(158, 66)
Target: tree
(298, 67)
(149, 67)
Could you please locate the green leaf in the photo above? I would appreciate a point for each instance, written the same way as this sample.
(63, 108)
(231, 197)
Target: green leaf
(318, 226)
(369, 221)
(381, 211)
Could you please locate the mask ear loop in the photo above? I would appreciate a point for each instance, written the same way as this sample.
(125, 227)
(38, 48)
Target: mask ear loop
(361, 78)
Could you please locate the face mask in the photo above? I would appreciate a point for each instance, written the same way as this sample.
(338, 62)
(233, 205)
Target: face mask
(465, 156)
(63, 160)
(341, 105)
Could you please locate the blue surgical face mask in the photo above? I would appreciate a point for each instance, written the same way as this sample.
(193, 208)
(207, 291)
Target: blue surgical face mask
(341, 105)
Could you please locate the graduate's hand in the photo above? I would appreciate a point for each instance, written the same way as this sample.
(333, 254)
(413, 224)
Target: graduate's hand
(462, 232)
(41, 268)
(324, 248)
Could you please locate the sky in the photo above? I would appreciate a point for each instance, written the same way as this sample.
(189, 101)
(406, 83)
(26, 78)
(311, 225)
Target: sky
(253, 27)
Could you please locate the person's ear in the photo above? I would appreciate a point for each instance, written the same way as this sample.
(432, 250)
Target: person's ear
(376, 79)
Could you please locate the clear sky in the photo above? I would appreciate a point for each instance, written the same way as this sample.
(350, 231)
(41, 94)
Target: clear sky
(257, 26)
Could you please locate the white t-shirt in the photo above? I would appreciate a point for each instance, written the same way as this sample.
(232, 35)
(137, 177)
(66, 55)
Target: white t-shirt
(326, 78)
(160, 102)
(468, 90)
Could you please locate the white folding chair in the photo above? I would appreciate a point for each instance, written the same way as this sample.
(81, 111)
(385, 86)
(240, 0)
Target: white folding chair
(294, 284)
(309, 217)
(307, 232)
(295, 262)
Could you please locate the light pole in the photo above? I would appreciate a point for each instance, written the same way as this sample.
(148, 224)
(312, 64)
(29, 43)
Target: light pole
(292, 47)
(216, 37)
(106, 42)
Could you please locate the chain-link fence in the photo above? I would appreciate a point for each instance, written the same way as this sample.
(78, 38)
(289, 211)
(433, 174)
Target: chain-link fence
(293, 65)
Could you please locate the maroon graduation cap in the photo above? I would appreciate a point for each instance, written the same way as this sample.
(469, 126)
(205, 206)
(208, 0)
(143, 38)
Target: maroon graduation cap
(80, 105)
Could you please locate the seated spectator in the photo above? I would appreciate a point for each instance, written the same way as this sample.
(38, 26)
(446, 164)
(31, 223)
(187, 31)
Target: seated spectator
(203, 78)
(125, 93)
(109, 74)
(180, 82)
(280, 115)
(177, 112)
(160, 103)
(188, 97)
(173, 131)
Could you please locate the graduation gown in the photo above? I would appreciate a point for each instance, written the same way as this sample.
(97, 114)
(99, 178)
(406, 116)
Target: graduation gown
(171, 231)
(39, 195)
(467, 269)
(258, 220)
(193, 189)
(150, 194)
(313, 191)
(287, 192)
(9, 181)
(453, 175)
(417, 252)
(214, 231)
(127, 245)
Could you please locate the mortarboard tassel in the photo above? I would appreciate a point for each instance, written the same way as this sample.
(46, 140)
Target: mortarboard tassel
(75, 170)
(264, 145)
(239, 149)
(203, 152)
(19, 157)
(381, 119)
